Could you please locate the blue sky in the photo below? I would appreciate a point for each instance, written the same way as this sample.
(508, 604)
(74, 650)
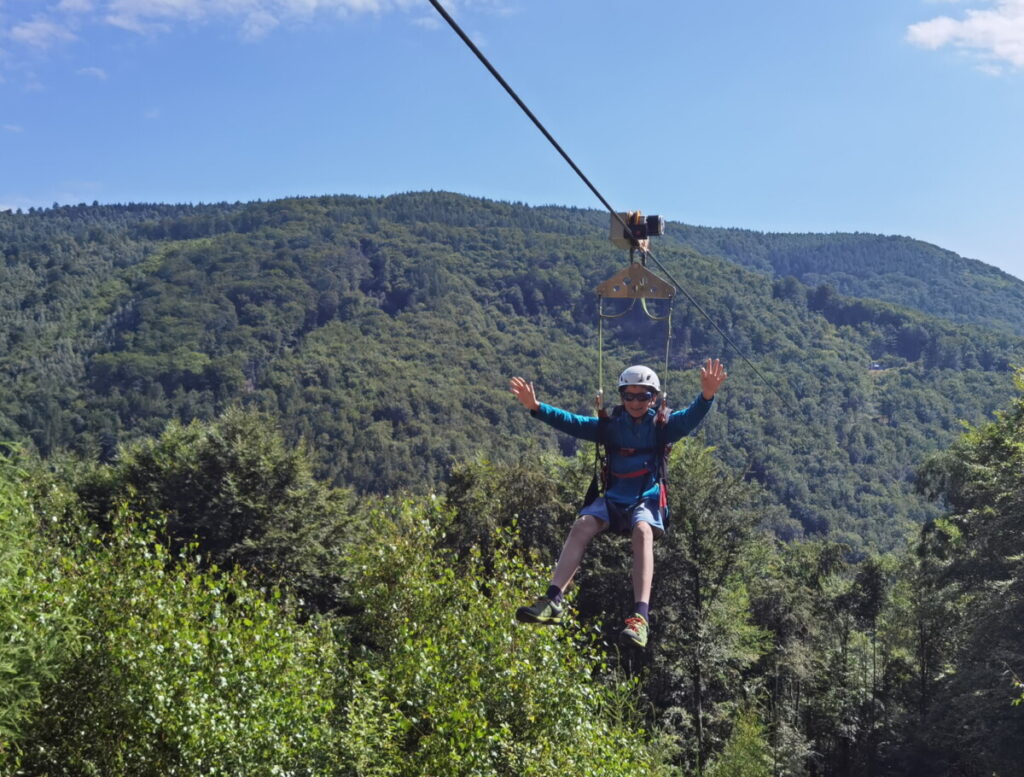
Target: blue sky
(889, 116)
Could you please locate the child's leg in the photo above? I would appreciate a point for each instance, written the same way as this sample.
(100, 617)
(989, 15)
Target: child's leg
(548, 608)
(643, 561)
(583, 531)
(643, 573)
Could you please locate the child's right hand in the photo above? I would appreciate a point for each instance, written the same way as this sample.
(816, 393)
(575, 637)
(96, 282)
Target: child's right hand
(524, 392)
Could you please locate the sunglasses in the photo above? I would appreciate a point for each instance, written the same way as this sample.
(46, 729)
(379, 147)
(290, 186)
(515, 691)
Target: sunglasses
(643, 396)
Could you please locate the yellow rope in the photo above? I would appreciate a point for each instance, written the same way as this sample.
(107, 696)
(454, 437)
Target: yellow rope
(600, 348)
(600, 336)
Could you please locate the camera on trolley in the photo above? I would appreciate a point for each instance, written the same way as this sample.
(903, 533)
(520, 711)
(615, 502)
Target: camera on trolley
(638, 229)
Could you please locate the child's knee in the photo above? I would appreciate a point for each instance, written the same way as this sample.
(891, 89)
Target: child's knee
(643, 529)
(587, 526)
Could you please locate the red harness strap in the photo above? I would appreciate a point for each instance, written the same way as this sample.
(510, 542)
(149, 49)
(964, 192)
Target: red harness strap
(636, 474)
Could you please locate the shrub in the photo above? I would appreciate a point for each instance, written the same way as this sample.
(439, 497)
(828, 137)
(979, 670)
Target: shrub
(444, 681)
(182, 672)
(37, 635)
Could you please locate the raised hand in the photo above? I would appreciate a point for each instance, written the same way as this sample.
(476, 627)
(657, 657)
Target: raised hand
(712, 375)
(523, 389)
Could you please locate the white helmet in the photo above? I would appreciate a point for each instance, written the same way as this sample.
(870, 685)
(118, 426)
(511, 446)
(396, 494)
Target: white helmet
(639, 375)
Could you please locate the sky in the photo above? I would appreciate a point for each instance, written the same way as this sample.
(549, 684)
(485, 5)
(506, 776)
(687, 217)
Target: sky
(884, 116)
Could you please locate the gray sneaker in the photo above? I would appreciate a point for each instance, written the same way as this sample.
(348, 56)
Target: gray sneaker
(543, 611)
(635, 632)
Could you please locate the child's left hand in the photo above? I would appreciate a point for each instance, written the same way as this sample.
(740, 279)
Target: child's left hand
(712, 375)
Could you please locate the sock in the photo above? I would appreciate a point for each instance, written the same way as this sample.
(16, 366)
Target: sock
(644, 609)
(554, 594)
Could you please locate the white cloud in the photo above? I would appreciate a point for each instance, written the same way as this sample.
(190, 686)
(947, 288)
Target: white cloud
(257, 16)
(40, 32)
(150, 15)
(94, 72)
(258, 24)
(11, 127)
(427, 22)
(67, 20)
(75, 6)
(995, 34)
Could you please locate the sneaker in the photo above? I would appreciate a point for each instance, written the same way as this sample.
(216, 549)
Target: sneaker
(636, 631)
(544, 610)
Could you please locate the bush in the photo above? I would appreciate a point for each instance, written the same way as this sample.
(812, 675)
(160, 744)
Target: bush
(37, 635)
(181, 672)
(237, 489)
(444, 681)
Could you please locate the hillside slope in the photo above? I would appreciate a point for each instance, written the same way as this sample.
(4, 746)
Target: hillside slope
(383, 331)
(891, 268)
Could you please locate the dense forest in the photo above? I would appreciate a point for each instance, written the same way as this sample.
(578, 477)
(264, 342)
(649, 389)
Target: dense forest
(203, 605)
(891, 268)
(382, 333)
(267, 507)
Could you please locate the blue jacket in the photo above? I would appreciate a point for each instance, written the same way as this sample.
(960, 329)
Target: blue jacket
(632, 445)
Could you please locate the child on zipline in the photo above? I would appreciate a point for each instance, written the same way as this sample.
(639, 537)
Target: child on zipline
(631, 503)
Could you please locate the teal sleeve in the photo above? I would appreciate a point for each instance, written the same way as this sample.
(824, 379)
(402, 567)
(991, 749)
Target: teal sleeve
(580, 426)
(683, 422)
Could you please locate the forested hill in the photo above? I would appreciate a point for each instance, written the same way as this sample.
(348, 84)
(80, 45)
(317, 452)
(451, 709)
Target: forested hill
(383, 331)
(886, 267)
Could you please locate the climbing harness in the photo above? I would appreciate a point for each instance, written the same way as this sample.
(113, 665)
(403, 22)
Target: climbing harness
(619, 516)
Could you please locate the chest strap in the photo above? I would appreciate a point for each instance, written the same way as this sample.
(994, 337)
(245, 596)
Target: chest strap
(635, 474)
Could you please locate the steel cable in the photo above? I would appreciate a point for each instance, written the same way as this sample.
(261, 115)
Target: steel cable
(615, 214)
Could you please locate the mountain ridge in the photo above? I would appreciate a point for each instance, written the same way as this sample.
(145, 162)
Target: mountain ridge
(383, 331)
(891, 268)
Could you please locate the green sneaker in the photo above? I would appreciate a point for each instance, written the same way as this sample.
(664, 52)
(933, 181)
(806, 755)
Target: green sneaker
(635, 632)
(542, 611)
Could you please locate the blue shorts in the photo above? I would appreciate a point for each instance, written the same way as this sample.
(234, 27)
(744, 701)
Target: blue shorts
(621, 520)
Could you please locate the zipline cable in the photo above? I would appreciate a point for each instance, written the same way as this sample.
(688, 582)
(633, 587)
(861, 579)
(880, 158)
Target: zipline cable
(718, 329)
(521, 104)
(615, 214)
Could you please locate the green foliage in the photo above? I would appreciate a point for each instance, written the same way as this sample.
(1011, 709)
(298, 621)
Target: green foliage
(37, 631)
(746, 753)
(891, 268)
(186, 669)
(383, 331)
(380, 333)
(802, 658)
(538, 493)
(181, 672)
(446, 683)
(706, 640)
(245, 497)
(973, 561)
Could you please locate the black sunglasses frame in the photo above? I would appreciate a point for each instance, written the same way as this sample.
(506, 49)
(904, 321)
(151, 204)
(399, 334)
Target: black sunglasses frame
(644, 396)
